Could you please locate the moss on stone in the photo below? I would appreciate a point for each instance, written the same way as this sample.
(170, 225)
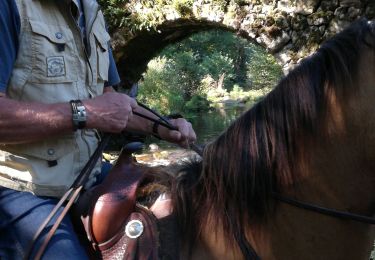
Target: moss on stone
(274, 31)
(184, 7)
(299, 22)
(270, 21)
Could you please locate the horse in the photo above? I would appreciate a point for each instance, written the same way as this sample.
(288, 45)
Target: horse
(311, 141)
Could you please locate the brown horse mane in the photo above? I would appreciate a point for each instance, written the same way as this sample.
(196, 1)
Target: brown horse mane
(258, 154)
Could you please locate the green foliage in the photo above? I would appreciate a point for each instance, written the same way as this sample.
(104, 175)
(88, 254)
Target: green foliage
(156, 91)
(121, 13)
(221, 3)
(263, 70)
(237, 92)
(216, 64)
(197, 103)
(116, 13)
(184, 7)
(185, 72)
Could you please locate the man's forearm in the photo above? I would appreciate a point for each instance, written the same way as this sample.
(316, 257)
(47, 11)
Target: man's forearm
(22, 122)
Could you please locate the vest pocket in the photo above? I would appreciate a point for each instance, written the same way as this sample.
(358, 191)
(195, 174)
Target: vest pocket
(54, 54)
(50, 162)
(48, 150)
(102, 41)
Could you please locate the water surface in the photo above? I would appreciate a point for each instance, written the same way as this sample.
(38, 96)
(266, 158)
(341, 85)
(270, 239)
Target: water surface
(210, 124)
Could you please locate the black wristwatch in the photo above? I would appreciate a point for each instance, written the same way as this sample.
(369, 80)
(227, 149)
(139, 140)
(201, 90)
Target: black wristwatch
(78, 114)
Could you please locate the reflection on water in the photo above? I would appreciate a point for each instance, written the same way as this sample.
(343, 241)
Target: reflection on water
(209, 125)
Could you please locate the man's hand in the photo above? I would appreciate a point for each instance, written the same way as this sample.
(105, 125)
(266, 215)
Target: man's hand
(109, 112)
(183, 137)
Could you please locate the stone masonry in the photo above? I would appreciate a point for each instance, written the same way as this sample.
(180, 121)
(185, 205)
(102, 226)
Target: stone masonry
(289, 29)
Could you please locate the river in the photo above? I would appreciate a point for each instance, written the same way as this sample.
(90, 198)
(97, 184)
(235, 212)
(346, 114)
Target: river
(207, 125)
(210, 124)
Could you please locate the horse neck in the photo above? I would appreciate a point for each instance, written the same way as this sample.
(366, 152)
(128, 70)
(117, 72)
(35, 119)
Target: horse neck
(339, 175)
(340, 185)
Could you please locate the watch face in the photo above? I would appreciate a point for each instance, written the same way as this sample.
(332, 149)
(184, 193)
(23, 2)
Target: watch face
(79, 114)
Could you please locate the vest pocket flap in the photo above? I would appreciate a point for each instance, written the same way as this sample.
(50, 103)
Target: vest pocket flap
(56, 34)
(103, 39)
(48, 150)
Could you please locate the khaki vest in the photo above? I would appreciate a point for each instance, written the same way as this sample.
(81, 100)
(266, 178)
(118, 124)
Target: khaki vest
(53, 66)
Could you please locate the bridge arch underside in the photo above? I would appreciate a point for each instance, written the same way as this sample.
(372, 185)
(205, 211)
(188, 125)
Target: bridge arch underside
(133, 59)
(290, 33)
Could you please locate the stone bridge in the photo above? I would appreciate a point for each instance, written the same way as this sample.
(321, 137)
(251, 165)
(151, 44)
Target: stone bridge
(289, 29)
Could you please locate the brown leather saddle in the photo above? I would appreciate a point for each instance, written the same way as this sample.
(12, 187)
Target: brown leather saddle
(115, 225)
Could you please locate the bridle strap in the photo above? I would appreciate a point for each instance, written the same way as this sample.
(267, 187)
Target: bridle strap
(325, 211)
(318, 209)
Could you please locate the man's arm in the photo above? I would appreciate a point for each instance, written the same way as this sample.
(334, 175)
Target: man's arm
(22, 122)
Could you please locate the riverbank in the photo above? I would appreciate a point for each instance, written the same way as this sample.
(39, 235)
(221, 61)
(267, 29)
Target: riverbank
(155, 156)
(165, 157)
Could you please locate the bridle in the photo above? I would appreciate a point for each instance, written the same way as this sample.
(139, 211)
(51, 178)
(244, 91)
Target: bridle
(325, 211)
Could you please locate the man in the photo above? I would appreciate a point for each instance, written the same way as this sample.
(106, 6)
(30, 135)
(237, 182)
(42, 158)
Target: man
(56, 73)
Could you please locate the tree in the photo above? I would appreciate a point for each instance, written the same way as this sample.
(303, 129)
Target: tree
(203, 62)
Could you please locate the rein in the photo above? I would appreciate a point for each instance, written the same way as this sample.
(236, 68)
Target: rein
(164, 122)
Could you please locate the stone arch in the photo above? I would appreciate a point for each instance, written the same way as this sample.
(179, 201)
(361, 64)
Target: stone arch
(289, 29)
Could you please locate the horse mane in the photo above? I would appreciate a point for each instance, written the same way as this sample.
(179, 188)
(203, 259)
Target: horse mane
(257, 154)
